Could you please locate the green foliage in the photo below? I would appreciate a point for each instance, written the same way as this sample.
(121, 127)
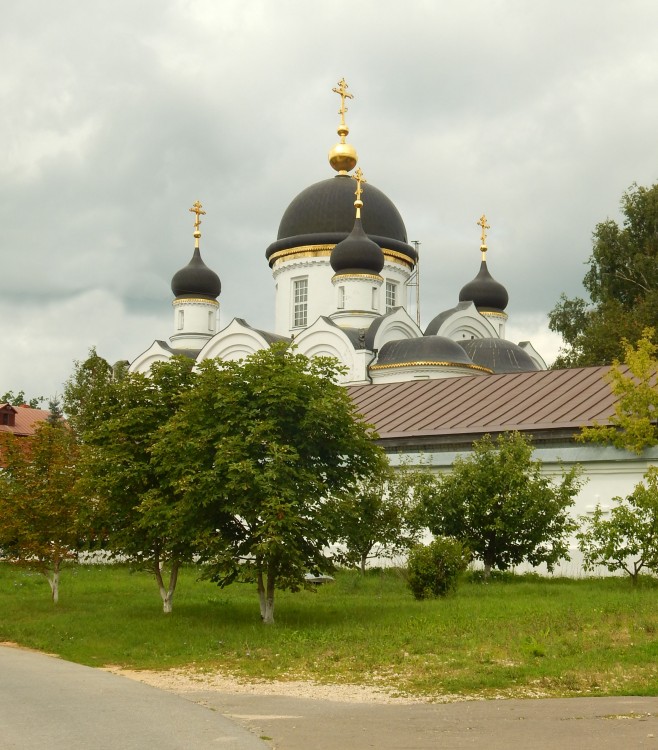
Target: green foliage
(433, 569)
(41, 510)
(626, 539)
(622, 282)
(262, 449)
(119, 415)
(633, 427)
(496, 501)
(382, 517)
(18, 399)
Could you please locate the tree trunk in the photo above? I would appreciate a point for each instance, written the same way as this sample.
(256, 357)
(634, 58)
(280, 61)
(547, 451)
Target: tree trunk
(167, 593)
(261, 593)
(54, 583)
(268, 614)
(487, 570)
(364, 559)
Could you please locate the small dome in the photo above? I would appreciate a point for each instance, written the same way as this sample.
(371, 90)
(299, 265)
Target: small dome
(196, 280)
(499, 355)
(432, 350)
(357, 253)
(485, 292)
(323, 214)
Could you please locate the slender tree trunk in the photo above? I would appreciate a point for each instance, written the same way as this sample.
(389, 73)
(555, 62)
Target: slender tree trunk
(166, 592)
(364, 559)
(487, 570)
(268, 616)
(261, 592)
(53, 580)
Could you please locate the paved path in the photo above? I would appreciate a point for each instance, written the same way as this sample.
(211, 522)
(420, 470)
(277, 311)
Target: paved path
(50, 704)
(562, 724)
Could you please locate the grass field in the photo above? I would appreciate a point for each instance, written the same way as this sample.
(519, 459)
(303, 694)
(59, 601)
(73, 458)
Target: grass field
(518, 636)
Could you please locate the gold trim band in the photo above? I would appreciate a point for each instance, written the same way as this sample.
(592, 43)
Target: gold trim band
(365, 276)
(201, 300)
(492, 314)
(431, 364)
(319, 251)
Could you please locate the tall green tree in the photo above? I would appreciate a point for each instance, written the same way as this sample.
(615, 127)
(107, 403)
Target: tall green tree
(262, 449)
(41, 511)
(622, 284)
(119, 415)
(634, 384)
(383, 517)
(497, 502)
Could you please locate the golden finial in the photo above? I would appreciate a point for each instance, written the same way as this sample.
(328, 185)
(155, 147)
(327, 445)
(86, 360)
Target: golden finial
(197, 209)
(342, 156)
(483, 237)
(360, 180)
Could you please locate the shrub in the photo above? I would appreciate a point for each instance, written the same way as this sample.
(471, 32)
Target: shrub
(433, 569)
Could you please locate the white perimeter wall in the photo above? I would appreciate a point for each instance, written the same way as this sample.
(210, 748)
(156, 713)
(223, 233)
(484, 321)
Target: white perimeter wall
(608, 472)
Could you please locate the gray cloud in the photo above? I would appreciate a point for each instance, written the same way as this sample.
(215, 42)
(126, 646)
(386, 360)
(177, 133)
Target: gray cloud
(117, 116)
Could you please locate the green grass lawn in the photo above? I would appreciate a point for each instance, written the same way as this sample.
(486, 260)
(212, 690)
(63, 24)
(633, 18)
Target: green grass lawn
(518, 636)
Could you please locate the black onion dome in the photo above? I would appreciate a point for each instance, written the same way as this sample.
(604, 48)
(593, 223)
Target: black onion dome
(499, 355)
(485, 292)
(323, 214)
(357, 253)
(196, 280)
(436, 350)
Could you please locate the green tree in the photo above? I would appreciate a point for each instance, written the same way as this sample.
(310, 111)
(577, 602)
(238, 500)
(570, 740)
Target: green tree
(381, 518)
(622, 283)
(497, 502)
(626, 538)
(18, 399)
(41, 510)
(633, 426)
(263, 448)
(119, 415)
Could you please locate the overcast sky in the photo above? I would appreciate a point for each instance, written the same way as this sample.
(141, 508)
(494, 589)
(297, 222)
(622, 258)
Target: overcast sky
(117, 116)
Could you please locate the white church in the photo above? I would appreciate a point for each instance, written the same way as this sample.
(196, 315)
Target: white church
(343, 270)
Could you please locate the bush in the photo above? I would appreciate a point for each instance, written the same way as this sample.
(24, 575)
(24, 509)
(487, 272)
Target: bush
(433, 569)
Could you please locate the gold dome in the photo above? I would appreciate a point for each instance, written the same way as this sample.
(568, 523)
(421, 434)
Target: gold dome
(343, 157)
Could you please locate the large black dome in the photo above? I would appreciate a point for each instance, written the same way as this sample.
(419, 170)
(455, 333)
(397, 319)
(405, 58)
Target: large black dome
(484, 291)
(499, 355)
(431, 350)
(323, 214)
(196, 280)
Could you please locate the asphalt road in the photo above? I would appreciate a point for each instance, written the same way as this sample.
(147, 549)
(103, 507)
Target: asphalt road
(49, 704)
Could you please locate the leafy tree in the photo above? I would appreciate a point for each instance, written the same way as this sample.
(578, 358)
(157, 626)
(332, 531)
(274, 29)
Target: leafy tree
(263, 448)
(633, 426)
(622, 283)
(381, 518)
(627, 538)
(18, 399)
(498, 504)
(119, 415)
(41, 511)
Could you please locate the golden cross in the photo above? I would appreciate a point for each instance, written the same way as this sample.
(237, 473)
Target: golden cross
(360, 180)
(483, 223)
(342, 91)
(198, 210)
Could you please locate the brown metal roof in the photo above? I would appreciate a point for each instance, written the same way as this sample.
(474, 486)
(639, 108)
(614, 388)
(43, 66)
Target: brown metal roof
(549, 400)
(26, 421)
